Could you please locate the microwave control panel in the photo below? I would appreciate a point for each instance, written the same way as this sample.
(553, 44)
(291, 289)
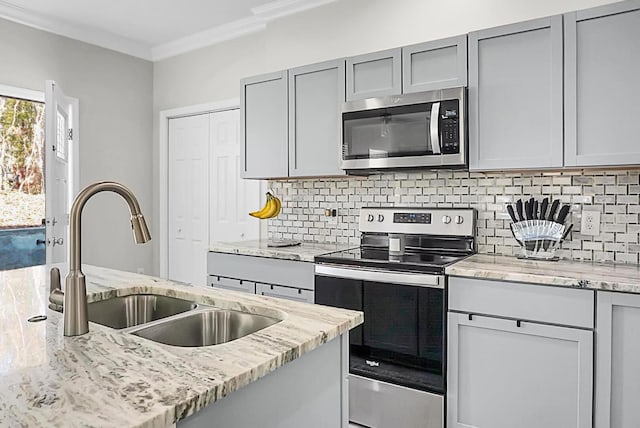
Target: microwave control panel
(449, 126)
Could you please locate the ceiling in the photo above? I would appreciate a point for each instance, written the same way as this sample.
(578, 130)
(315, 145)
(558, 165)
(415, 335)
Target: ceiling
(151, 29)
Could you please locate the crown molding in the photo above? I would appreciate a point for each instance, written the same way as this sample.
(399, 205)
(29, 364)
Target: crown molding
(209, 37)
(262, 15)
(103, 39)
(281, 8)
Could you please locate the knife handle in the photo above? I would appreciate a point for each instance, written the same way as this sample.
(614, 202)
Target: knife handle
(554, 208)
(519, 209)
(562, 215)
(528, 208)
(543, 208)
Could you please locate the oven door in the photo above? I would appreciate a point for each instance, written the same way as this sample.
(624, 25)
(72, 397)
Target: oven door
(402, 338)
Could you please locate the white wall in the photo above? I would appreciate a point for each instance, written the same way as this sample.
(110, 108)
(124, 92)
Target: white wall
(115, 93)
(343, 28)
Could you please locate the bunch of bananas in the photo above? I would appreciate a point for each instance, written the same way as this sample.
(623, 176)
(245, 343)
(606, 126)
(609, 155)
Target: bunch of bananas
(270, 209)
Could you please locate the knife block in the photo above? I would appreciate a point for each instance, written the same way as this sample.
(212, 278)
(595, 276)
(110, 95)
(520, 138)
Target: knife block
(538, 239)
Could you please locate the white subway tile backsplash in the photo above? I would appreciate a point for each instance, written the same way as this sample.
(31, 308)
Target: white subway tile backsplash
(615, 193)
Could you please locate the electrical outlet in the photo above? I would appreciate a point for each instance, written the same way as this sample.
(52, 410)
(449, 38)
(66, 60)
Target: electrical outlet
(590, 224)
(332, 219)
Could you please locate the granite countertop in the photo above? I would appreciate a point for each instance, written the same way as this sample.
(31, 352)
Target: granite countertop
(113, 378)
(595, 276)
(305, 252)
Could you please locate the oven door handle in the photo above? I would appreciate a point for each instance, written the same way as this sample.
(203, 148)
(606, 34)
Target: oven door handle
(402, 278)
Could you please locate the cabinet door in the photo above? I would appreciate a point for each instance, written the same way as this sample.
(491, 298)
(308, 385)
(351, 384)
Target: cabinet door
(374, 75)
(618, 365)
(602, 61)
(296, 294)
(435, 65)
(232, 284)
(501, 375)
(316, 95)
(263, 127)
(515, 96)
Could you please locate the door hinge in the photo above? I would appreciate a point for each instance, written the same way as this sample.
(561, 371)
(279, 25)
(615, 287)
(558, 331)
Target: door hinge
(70, 134)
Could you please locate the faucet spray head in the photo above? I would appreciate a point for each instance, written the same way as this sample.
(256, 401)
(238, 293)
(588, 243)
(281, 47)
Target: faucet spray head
(140, 230)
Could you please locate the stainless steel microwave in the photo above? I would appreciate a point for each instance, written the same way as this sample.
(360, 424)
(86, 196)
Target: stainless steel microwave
(420, 130)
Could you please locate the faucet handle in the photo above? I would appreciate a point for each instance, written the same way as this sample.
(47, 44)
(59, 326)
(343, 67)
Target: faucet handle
(56, 296)
(54, 276)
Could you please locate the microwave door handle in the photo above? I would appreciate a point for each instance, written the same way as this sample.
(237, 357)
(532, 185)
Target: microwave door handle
(434, 126)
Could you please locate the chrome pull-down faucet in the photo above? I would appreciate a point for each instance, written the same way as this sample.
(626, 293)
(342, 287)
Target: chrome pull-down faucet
(75, 293)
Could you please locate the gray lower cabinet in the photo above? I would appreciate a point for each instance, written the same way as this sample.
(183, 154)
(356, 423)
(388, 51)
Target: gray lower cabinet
(617, 361)
(289, 293)
(316, 95)
(515, 96)
(374, 75)
(504, 370)
(438, 64)
(263, 126)
(286, 279)
(602, 64)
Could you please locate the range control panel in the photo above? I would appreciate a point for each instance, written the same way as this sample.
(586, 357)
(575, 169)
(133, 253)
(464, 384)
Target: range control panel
(423, 221)
(424, 218)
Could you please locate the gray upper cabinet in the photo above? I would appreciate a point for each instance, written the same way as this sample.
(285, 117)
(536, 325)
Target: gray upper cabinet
(435, 65)
(316, 95)
(617, 362)
(263, 127)
(515, 96)
(602, 64)
(374, 75)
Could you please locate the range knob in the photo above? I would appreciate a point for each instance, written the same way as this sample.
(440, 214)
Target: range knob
(446, 219)
(370, 218)
(458, 219)
(380, 218)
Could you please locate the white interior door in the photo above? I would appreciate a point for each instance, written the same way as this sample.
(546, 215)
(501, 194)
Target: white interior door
(231, 197)
(188, 198)
(61, 115)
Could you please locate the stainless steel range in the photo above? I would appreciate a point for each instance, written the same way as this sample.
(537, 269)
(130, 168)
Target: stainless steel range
(397, 360)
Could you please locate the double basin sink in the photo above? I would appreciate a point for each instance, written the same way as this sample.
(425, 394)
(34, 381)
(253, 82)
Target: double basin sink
(174, 321)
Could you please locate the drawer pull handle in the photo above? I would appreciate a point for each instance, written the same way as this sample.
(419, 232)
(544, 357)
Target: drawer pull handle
(470, 317)
(271, 286)
(299, 291)
(518, 323)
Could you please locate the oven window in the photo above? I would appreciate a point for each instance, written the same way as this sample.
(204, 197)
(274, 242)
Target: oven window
(389, 132)
(391, 317)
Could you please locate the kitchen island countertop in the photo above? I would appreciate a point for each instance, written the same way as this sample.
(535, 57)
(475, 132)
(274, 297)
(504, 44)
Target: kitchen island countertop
(113, 378)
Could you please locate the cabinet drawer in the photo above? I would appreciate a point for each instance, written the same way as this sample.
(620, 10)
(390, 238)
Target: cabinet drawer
(556, 305)
(297, 294)
(262, 269)
(232, 284)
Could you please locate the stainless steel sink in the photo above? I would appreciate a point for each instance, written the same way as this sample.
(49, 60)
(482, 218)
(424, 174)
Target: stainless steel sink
(204, 328)
(129, 311)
